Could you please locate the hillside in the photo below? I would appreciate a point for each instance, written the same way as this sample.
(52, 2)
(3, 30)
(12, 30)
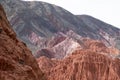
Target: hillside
(33, 21)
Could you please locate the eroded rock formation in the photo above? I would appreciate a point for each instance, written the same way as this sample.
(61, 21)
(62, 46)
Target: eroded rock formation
(16, 61)
(58, 46)
(62, 45)
(86, 65)
(93, 62)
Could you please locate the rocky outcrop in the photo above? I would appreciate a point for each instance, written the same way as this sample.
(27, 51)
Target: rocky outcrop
(98, 46)
(16, 60)
(35, 20)
(95, 62)
(58, 46)
(62, 45)
(60, 50)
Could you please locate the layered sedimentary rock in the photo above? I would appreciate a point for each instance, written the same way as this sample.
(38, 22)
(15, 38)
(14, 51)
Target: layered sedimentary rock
(16, 60)
(58, 46)
(62, 45)
(95, 62)
(35, 20)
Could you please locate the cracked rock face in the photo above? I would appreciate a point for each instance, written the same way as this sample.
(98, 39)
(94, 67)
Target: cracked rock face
(16, 60)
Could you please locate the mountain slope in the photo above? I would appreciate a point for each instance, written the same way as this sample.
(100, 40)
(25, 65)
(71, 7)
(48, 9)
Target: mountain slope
(16, 61)
(45, 19)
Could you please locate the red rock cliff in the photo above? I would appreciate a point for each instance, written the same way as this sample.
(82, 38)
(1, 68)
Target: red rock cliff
(16, 61)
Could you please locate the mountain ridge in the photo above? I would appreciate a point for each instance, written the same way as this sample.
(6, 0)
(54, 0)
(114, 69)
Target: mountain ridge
(45, 20)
